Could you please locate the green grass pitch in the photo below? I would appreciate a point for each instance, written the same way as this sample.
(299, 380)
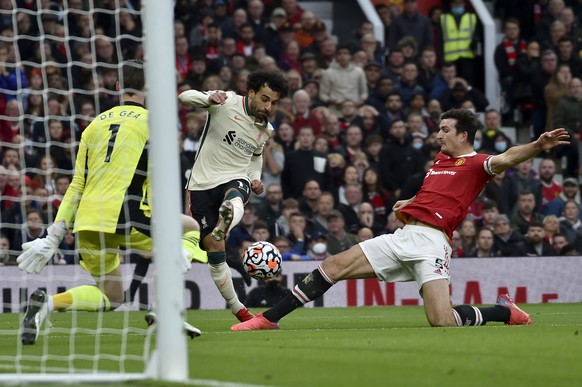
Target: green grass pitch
(367, 346)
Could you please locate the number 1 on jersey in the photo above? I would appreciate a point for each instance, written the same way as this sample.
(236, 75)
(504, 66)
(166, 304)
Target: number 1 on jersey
(114, 128)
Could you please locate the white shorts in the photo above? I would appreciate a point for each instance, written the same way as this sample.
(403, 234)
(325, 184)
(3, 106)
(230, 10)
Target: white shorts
(412, 253)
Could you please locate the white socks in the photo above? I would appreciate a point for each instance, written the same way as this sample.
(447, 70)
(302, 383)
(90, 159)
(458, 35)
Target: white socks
(222, 277)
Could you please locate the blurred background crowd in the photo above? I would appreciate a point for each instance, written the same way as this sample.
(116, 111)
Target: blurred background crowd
(357, 132)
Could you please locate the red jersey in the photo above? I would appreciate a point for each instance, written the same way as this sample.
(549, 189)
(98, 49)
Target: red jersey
(448, 190)
(550, 192)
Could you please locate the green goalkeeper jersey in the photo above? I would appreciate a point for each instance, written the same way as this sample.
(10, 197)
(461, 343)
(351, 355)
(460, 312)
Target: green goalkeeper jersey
(111, 169)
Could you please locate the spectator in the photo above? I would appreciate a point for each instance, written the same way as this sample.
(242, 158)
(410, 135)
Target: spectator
(272, 207)
(394, 64)
(567, 55)
(551, 189)
(287, 253)
(398, 159)
(302, 114)
(524, 214)
(260, 231)
(568, 114)
(528, 64)
(325, 204)
(539, 79)
(373, 192)
(12, 78)
(468, 234)
(557, 31)
(343, 80)
(523, 181)
(298, 234)
(294, 12)
(338, 239)
(508, 243)
(304, 164)
(367, 219)
(353, 196)
(460, 37)
(559, 241)
(318, 247)
(460, 92)
(308, 200)
(535, 242)
(282, 224)
(555, 90)
(570, 224)
(394, 110)
(371, 47)
(284, 135)
(305, 34)
(33, 228)
(570, 191)
(411, 23)
(5, 257)
(374, 145)
(408, 84)
(488, 214)
(428, 74)
(484, 245)
(495, 141)
(551, 225)
(506, 54)
(271, 36)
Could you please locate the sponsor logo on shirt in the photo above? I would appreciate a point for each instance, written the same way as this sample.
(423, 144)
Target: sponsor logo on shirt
(229, 137)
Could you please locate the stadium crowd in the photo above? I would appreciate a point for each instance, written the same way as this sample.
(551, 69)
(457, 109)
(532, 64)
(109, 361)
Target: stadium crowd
(357, 132)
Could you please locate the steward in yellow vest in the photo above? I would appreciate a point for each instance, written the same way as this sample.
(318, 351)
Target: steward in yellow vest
(457, 38)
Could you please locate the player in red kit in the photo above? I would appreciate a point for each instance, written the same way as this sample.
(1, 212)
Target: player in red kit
(421, 250)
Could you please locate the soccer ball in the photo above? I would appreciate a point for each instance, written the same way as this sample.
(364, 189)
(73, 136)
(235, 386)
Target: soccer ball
(262, 260)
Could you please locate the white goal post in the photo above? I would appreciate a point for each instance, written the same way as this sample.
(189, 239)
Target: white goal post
(167, 359)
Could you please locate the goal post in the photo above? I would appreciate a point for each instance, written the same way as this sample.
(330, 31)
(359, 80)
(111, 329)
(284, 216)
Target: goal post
(76, 348)
(172, 360)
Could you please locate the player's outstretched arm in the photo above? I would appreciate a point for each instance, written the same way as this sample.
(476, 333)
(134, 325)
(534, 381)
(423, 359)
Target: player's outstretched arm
(517, 154)
(37, 253)
(202, 99)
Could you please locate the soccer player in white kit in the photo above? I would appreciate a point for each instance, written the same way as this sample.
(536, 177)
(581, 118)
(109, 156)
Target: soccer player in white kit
(228, 166)
(421, 250)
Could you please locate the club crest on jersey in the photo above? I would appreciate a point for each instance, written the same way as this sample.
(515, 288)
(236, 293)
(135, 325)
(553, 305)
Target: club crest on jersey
(460, 161)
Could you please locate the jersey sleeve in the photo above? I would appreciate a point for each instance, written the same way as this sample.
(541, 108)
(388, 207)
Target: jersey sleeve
(199, 99)
(72, 197)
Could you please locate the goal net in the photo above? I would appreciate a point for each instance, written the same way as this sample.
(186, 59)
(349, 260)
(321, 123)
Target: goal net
(59, 64)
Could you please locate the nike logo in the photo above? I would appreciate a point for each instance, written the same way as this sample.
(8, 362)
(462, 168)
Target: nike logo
(238, 118)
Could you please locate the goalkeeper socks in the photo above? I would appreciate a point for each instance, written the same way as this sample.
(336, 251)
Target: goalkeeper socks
(191, 242)
(139, 273)
(312, 287)
(87, 298)
(467, 315)
(222, 277)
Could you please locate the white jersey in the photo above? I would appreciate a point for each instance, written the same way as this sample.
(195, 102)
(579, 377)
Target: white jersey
(229, 139)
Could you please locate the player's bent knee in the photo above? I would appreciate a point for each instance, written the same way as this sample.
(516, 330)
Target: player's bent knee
(441, 320)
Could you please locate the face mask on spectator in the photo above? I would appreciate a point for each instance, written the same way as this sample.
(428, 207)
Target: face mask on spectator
(458, 10)
(417, 145)
(319, 248)
(500, 146)
(477, 144)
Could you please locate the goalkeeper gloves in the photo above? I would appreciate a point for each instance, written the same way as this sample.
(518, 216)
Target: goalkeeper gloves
(186, 260)
(38, 252)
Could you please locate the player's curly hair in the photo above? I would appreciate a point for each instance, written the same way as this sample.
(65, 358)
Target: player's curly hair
(273, 79)
(467, 121)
